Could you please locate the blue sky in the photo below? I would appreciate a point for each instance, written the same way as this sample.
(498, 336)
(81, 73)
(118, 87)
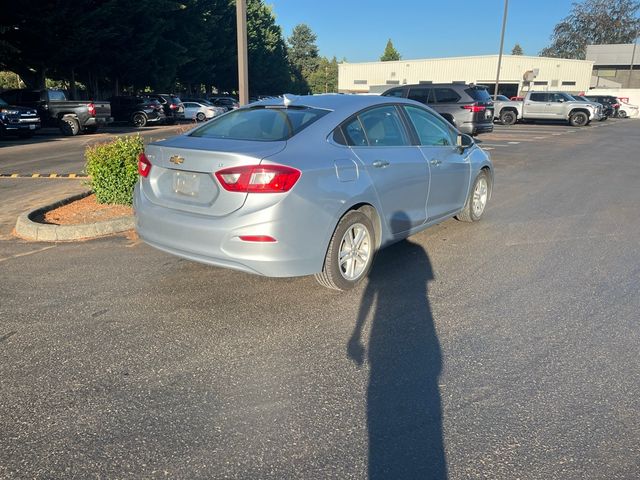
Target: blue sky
(359, 30)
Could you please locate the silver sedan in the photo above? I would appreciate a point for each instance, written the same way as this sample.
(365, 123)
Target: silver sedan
(308, 185)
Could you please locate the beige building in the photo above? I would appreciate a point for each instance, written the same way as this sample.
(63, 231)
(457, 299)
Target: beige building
(615, 66)
(518, 73)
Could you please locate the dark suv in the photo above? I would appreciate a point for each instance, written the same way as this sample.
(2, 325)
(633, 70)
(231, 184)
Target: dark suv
(610, 104)
(136, 110)
(21, 121)
(172, 105)
(469, 108)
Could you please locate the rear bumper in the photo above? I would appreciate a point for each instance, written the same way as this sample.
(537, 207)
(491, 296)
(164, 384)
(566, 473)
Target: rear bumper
(215, 240)
(473, 128)
(98, 121)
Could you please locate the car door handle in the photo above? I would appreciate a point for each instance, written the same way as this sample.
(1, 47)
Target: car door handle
(435, 162)
(380, 164)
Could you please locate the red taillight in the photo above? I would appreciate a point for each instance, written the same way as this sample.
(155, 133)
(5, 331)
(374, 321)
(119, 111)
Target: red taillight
(615, 105)
(144, 165)
(258, 178)
(257, 238)
(475, 107)
(173, 106)
(92, 109)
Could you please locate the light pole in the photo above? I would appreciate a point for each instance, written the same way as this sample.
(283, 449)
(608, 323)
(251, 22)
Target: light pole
(504, 24)
(243, 69)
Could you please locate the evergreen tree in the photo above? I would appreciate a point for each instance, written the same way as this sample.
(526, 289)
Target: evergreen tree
(594, 22)
(325, 78)
(517, 50)
(303, 57)
(390, 53)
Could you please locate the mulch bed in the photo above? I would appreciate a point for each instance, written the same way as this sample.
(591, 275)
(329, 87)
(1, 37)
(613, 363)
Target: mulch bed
(85, 210)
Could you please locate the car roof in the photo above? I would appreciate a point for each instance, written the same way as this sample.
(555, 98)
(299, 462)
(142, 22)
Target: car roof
(331, 101)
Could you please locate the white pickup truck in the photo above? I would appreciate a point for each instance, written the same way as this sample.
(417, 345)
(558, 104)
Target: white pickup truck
(547, 106)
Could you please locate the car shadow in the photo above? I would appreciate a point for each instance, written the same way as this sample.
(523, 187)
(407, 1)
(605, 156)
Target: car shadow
(404, 414)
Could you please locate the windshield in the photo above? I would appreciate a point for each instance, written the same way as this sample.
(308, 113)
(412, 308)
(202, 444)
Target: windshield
(3, 103)
(567, 97)
(266, 124)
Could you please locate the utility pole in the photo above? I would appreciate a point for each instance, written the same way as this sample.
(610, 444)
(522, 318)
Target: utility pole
(243, 69)
(635, 42)
(504, 24)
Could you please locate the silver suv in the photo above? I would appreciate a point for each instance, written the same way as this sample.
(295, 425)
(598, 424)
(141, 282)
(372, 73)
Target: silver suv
(467, 107)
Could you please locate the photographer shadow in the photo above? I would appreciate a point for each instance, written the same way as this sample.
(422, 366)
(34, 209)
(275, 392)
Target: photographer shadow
(404, 415)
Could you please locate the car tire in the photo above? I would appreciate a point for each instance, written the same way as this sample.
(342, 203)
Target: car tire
(578, 119)
(346, 264)
(622, 114)
(70, 126)
(508, 117)
(477, 199)
(139, 120)
(91, 129)
(201, 117)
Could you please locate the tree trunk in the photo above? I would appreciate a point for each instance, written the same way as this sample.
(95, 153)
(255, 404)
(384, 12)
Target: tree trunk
(72, 86)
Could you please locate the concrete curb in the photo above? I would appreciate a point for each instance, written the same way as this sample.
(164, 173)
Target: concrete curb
(28, 229)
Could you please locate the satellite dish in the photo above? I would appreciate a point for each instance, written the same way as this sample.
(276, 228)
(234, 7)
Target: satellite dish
(529, 75)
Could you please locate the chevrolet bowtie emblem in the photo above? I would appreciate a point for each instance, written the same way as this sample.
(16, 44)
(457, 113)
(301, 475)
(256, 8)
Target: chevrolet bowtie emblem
(177, 159)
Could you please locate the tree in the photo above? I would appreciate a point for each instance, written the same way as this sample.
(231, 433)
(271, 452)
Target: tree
(594, 22)
(517, 50)
(325, 78)
(303, 57)
(390, 53)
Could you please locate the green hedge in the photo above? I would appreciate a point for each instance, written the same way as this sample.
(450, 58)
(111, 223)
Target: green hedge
(113, 168)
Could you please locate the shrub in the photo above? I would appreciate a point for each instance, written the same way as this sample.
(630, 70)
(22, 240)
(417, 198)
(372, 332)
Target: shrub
(113, 168)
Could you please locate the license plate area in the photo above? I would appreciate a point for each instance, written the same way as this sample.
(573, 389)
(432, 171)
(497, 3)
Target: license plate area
(185, 183)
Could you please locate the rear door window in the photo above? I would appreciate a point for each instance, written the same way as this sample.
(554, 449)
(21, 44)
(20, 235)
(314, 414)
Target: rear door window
(55, 96)
(446, 95)
(383, 127)
(539, 97)
(421, 94)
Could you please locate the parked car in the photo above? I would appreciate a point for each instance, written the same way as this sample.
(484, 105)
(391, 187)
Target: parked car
(172, 105)
(198, 111)
(627, 110)
(15, 120)
(610, 104)
(555, 106)
(207, 103)
(225, 101)
(54, 110)
(599, 106)
(138, 111)
(308, 185)
(469, 108)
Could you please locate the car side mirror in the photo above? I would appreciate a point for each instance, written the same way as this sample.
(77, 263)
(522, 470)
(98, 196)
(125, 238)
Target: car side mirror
(464, 142)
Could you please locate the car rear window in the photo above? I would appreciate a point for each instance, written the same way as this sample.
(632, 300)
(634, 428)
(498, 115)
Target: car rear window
(264, 123)
(478, 94)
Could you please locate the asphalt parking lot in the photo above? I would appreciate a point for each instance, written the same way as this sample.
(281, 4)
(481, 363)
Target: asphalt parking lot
(506, 349)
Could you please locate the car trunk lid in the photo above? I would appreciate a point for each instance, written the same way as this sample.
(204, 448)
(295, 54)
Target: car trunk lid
(182, 175)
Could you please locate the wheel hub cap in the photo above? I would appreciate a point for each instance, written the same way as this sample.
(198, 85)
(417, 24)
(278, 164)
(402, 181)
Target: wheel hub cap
(480, 194)
(355, 252)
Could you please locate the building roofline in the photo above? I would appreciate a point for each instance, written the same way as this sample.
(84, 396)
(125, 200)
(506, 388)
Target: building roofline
(462, 58)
